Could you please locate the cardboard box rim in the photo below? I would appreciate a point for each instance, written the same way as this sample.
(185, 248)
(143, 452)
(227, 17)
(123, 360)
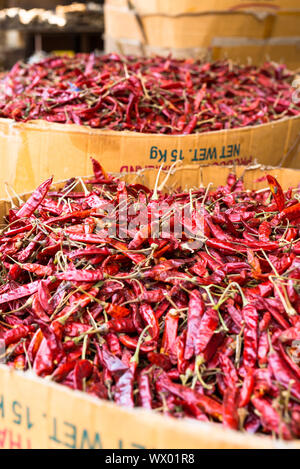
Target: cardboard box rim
(181, 168)
(186, 426)
(222, 437)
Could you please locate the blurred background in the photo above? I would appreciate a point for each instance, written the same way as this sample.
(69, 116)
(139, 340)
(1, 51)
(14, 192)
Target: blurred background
(242, 30)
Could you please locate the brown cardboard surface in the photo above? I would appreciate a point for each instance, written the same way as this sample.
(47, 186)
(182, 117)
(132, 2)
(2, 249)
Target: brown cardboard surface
(35, 413)
(190, 28)
(29, 152)
(286, 51)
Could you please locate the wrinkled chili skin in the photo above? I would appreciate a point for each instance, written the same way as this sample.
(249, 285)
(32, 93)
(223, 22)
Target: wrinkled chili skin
(148, 95)
(193, 330)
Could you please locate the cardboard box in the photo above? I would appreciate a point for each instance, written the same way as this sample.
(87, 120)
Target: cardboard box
(190, 28)
(29, 152)
(35, 413)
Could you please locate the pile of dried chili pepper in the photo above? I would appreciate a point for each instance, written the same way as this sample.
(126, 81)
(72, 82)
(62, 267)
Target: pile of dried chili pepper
(150, 95)
(201, 320)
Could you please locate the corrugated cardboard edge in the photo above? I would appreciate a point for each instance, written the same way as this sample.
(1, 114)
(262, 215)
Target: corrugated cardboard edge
(134, 428)
(30, 152)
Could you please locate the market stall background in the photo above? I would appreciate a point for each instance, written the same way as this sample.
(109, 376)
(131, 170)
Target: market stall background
(28, 27)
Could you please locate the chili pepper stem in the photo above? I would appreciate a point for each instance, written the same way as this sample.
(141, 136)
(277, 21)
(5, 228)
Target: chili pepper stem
(199, 361)
(86, 191)
(290, 311)
(20, 201)
(155, 191)
(164, 182)
(229, 287)
(135, 357)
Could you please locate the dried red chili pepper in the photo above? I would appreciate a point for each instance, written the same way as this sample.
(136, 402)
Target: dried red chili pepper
(230, 414)
(35, 200)
(145, 395)
(270, 418)
(277, 192)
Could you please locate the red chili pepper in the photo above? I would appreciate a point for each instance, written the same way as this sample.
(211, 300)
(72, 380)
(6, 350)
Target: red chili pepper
(121, 325)
(291, 213)
(145, 395)
(63, 370)
(114, 344)
(283, 374)
(270, 418)
(117, 311)
(277, 192)
(99, 173)
(44, 296)
(209, 405)
(208, 326)
(263, 349)
(29, 250)
(160, 359)
(170, 334)
(34, 345)
(230, 414)
(264, 231)
(81, 275)
(113, 363)
(196, 311)
(132, 342)
(124, 389)
(14, 335)
(35, 200)
(43, 362)
(150, 319)
(250, 316)
(247, 388)
(38, 270)
(294, 367)
(19, 292)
